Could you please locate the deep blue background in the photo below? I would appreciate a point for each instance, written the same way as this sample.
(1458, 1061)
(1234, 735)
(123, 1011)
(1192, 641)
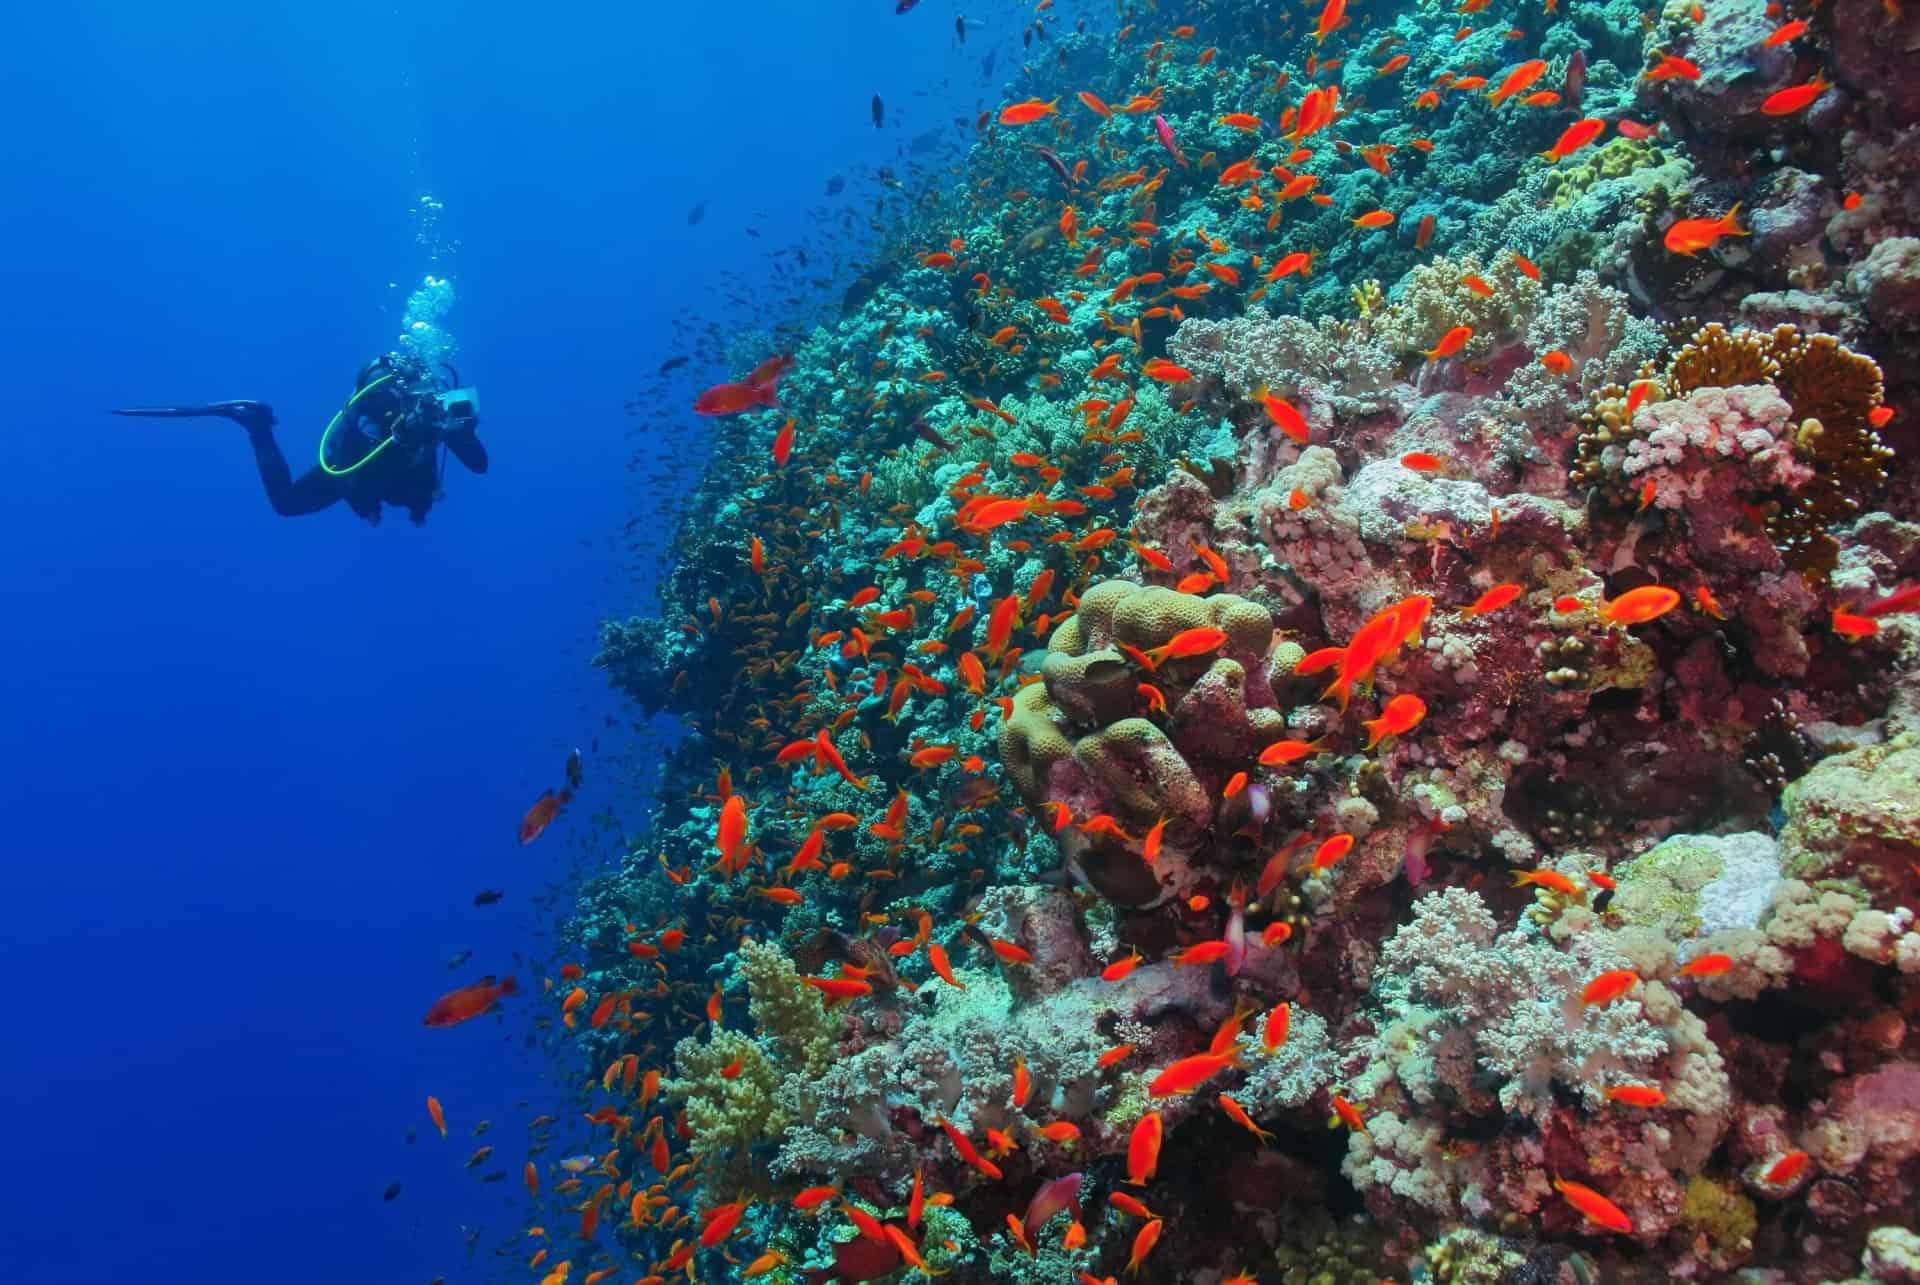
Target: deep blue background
(255, 768)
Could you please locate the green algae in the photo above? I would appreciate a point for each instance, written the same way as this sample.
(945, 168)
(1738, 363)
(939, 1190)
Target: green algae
(1725, 1217)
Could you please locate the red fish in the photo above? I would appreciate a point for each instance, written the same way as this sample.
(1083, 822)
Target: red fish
(458, 1006)
(1787, 1168)
(1061, 1193)
(541, 814)
(756, 390)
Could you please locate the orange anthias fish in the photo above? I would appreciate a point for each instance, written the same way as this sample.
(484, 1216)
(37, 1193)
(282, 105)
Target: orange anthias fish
(718, 1223)
(541, 814)
(731, 833)
(468, 1002)
(1492, 600)
(1638, 606)
(1189, 642)
(1673, 67)
(1853, 627)
(1690, 236)
(1575, 137)
(1796, 98)
(1518, 80)
(1787, 1168)
(439, 1116)
(1025, 113)
(1189, 1073)
(1357, 662)
(1143, 1149)
(1238, 1114)
(1402, 714)
(1593, 1206)
(1281, 753)
(1609, 986)
(1636, 1095)
(1279, 1021)
(1332, 17)
(1450, 343)
(1282, 412)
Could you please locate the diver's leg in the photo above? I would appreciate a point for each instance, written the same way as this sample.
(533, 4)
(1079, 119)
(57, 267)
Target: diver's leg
(311, 492)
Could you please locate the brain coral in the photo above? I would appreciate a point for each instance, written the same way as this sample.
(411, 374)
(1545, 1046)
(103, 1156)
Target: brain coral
(1088, 737)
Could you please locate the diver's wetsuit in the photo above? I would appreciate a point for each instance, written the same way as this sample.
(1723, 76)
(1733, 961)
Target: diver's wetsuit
(405, 477)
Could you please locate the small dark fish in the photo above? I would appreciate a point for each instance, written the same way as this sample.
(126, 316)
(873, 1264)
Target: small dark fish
(925, 432)
(697, 213)
(496, 1176)
(1054, 163)
(393, 1189)
(487, 896)
(904, 5)
(836, 185)
(879, 112)
(459, 957)
(671, 363)
(573, 770)
(960, 29)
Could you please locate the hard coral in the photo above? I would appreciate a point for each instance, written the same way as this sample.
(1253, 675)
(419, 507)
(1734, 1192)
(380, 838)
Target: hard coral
(1829, 392)
(1075, 739)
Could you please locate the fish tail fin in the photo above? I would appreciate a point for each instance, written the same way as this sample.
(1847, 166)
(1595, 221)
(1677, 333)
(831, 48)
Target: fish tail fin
(1729, 225)
(508, 986)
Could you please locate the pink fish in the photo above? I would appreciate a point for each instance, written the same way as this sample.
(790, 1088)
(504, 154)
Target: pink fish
(1164, 132)
(1576, 80)
(1236, 934)
(1061, 1193)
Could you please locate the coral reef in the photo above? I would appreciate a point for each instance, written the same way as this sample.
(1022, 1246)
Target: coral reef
(1262, 706)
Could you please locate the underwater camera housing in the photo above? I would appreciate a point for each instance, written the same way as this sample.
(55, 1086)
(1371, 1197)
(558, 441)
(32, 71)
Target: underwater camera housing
(459, 409)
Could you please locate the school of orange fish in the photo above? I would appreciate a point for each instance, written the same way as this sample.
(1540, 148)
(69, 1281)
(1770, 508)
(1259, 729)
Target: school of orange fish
(831, 629)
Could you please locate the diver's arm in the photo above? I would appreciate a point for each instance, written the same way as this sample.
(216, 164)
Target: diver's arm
(467, 449)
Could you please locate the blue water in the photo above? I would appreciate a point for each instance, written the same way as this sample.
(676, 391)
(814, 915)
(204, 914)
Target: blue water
(256, 768)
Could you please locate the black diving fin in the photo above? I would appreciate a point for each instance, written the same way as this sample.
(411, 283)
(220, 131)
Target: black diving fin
(249, 414)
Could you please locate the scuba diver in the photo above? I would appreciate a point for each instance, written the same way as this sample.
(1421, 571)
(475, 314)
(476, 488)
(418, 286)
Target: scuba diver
(381, 447)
